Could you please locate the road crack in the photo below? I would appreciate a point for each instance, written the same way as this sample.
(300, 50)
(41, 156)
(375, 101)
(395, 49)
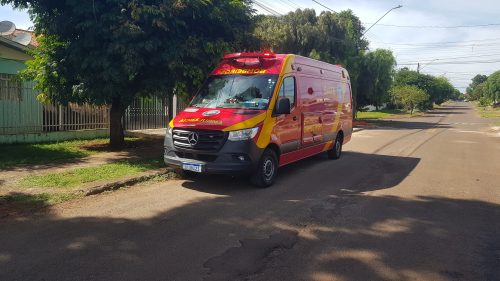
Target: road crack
(250, 257)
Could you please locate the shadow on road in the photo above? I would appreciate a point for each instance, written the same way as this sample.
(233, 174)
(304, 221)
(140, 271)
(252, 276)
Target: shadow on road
(406, 125)
(367, 172)
(399, 235)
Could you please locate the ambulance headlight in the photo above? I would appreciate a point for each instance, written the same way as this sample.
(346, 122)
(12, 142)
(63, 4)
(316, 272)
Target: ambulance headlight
(169, 131)
(243, 134)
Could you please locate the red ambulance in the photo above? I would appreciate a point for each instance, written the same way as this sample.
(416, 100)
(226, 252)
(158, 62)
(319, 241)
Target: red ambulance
(260, 111)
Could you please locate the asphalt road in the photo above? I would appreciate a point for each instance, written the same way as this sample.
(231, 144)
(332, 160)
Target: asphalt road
(413, 199)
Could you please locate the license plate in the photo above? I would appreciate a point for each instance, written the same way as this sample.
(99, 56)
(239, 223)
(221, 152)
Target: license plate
(192, 167)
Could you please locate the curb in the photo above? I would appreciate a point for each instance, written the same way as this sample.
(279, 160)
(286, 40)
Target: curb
(119, 184)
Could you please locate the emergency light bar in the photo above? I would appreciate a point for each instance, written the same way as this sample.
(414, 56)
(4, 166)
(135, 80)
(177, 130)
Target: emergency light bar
(250, 55)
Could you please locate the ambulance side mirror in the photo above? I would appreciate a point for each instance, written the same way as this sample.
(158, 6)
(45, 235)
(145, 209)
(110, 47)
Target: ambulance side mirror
(282, 106)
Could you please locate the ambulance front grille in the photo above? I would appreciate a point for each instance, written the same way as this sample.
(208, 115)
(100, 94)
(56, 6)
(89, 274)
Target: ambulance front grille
(203, 140)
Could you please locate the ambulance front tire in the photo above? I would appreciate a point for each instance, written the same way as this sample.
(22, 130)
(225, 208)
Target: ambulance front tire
(267, 169)
(336, 150)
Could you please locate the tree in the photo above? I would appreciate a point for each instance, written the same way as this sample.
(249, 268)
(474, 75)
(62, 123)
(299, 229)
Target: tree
(479, 92)
(492, 91)
(409, 96)
(439, 89)
(331, 37)
(476, 81)
(110, 51)
(375, 78)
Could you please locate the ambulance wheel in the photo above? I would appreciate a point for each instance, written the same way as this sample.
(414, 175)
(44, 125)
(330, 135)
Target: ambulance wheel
(336, 150)
(266, 170)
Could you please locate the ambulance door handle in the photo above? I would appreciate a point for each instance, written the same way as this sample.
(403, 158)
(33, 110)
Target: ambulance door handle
(294, 118)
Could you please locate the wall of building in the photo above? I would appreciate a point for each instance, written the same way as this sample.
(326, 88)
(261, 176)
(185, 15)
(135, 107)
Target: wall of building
(10, 53)
(54, 136)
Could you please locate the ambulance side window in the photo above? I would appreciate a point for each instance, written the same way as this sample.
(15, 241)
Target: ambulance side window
(288, 89)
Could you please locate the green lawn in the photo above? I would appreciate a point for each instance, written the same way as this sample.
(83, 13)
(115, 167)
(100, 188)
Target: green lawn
(78, 176)
(384, 113)
(489, 112)
(44, 153)
(43, 199)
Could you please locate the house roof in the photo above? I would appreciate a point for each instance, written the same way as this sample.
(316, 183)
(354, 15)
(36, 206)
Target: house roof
(13, 44)
(10, 39)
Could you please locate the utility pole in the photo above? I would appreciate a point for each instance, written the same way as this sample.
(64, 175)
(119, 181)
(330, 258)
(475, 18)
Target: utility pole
(418, 67)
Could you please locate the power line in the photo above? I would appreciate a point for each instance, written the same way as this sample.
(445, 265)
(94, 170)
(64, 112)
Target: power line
(323, 6)
(455, 62)
(297, 5)
(436, 43)
(409, 46)
(287, 4)
(437, 26)
(450, 58)
(266, 8)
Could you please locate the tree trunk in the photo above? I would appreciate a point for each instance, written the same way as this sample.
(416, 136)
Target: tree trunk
(116, 133)
(354, 96)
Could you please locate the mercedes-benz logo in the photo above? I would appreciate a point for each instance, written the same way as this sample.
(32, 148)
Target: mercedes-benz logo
(193, 138)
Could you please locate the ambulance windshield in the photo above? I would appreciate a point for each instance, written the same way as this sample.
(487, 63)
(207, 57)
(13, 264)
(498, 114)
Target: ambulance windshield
(236, 91)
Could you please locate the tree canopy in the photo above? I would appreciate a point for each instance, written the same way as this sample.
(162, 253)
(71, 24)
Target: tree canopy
(439, 89)
(376, 78)
(492, 92)
(409, 96)
(476, 81)
(331, 37)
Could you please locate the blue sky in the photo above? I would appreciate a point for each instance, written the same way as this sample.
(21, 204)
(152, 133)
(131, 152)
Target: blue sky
(457, 53)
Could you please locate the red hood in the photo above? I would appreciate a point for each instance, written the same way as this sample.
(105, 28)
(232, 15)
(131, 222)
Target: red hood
(213, 119)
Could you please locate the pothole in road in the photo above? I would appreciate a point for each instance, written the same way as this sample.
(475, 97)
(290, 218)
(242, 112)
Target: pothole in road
(250, 258)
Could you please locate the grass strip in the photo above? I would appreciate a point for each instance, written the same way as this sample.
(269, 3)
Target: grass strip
(384, 113)
(45, 153)
(78, 176)
(43, 199)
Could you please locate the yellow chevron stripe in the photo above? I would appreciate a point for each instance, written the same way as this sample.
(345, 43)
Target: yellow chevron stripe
(249, 123)
(269, 123)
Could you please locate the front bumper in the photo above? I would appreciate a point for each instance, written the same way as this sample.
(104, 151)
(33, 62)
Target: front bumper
(234, 157)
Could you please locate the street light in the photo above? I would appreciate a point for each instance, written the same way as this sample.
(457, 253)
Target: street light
(397, 7)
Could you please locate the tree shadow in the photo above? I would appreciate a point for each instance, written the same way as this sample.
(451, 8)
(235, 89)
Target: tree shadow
(441, 112)
(39, 157)
(19, 155)
(238, 236)
(406, 124)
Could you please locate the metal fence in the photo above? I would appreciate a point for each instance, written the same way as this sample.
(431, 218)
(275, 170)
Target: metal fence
(20, 112)
(74, 117)
(146, 113)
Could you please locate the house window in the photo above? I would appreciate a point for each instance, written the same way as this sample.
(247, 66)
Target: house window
(10, 87)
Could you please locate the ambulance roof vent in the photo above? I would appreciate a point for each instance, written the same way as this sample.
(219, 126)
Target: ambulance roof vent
(22, 38)
(7, 28)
